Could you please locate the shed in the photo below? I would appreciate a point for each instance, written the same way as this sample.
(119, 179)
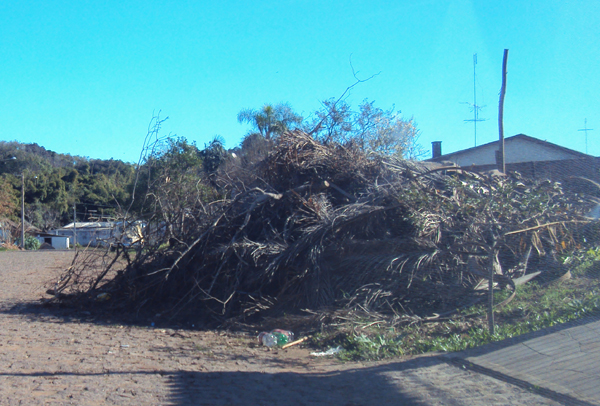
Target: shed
(59, 242)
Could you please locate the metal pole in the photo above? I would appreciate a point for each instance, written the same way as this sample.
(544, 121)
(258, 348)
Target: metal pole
(476, 108)
(586, 131)
(23, 210)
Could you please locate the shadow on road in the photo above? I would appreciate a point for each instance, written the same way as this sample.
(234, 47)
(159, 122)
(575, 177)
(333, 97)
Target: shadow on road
(355, 387)
(51, 312)
(364, 386)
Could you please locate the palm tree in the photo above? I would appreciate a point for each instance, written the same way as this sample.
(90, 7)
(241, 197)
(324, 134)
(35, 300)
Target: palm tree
(270, 121)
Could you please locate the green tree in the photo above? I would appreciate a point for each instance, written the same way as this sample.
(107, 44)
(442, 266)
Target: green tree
(43, 216)
(54, 182)
(172, 183)
(176, 160)
(9, 203)
(270, 120)
(213, 155)
(371, 129)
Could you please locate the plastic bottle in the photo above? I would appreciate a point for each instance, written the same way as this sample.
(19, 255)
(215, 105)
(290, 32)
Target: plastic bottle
(267, 339)
(283, 336)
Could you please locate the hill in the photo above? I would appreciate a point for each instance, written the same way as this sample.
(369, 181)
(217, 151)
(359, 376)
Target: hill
(55, 183)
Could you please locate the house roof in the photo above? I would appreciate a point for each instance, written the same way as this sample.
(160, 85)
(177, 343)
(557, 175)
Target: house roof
(6, 223)
(88, 225)
(52, 235)
(523, 137)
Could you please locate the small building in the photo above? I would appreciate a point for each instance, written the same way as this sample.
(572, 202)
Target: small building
(88, 233)
(59, 242)
(102, 233)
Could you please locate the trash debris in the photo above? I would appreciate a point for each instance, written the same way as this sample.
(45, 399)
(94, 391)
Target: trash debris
(288, 345)
(331, 351)
(276, 337)
(267, 339)
(283, 336)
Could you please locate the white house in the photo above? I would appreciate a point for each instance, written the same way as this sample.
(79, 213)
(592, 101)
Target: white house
(88, 233)
(102, 233)
(517, 149)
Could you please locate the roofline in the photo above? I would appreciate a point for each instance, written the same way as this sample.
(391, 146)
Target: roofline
(521, 136)
(53, 235)
(88, 226)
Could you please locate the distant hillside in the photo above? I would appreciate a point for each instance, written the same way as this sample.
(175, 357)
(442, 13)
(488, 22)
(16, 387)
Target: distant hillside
(54, 183)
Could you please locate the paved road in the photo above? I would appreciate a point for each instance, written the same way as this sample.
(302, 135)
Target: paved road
(561, 363)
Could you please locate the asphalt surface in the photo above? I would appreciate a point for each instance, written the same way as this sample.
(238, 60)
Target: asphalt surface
(560, 363)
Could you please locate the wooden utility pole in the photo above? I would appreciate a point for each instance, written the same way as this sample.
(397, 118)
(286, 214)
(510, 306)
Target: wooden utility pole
(501, 161)
(23, 210)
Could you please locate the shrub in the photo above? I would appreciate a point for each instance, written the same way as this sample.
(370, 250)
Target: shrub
(31, 243)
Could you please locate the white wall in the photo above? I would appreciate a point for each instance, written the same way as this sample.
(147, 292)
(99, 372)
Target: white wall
(58, 242)
(85, 236)
(515, 151)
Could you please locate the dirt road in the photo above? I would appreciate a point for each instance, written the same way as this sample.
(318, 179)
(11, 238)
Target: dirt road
(53, 357)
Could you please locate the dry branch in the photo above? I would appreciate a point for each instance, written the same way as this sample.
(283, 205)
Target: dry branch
(321, 227)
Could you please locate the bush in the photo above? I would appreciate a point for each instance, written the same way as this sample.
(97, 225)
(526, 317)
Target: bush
(31, 243)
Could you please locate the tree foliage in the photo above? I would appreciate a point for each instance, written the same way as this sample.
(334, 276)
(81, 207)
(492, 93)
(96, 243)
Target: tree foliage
(172, 180)
(213, 155)
(371, 129)
(8, 199)
(270, 120)
(173, 173)
(55, 182)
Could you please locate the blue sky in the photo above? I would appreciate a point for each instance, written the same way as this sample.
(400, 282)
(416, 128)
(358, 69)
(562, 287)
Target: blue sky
(85, 77)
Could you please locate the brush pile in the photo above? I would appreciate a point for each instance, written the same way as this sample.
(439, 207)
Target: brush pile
(323, 227)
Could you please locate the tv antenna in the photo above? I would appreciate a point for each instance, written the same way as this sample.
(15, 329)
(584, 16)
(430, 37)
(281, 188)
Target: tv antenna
(474, 107)
(586, 131)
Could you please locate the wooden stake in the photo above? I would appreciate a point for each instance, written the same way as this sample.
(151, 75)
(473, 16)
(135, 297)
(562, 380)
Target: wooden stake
(491, 293)
(495, 268)
(288, 345)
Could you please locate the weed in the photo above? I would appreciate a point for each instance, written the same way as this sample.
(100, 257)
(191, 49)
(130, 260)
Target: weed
(535, 307)
(374, 347)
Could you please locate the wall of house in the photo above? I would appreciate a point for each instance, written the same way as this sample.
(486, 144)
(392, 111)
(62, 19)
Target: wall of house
(83, 236)
(59, 242)
(5, 235)
(566, 171)
(516, 151)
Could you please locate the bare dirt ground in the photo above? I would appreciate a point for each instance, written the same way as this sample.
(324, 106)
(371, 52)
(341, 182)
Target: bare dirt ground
(54, 356)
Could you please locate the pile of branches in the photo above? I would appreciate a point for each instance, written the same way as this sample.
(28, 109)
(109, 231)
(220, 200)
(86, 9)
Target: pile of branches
(324, 227)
